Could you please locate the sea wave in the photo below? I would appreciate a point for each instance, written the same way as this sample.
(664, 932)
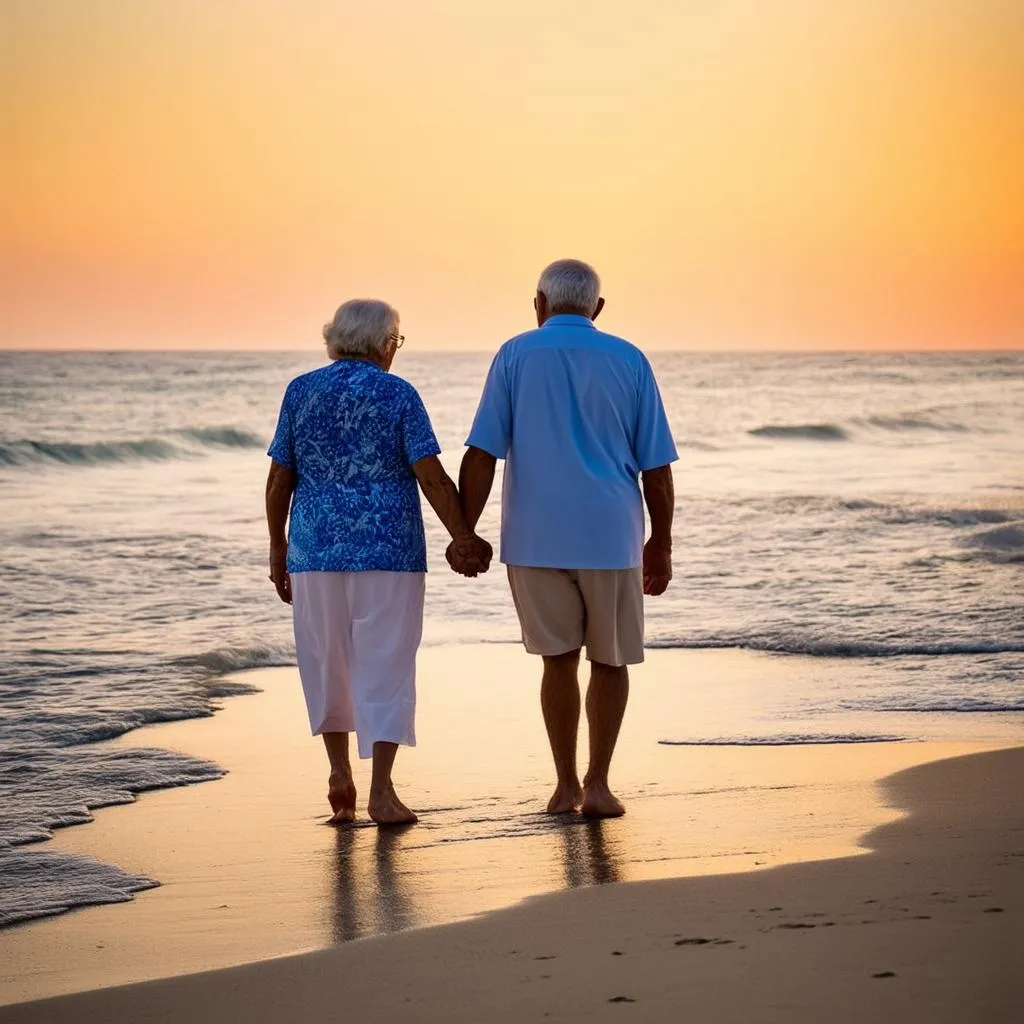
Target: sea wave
(916, 422)
(937, 705)
(891, 513)
(222, 437)
(800, 432)
(911, 421)
(37, 884)
(828, 648)
(226, 660)
(1006, 539)
(784, 740)
(187, 443)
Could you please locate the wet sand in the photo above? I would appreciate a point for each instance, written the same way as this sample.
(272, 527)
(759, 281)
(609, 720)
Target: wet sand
(249, 872)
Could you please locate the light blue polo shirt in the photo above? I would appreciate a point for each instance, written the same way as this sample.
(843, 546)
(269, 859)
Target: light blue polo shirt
(577, 416)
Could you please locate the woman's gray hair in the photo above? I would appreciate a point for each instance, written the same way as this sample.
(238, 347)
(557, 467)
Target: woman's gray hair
(570, 286)
(361, 327)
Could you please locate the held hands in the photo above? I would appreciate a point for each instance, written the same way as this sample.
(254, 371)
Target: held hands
(470, 555)
(657, 568)
(279, 572)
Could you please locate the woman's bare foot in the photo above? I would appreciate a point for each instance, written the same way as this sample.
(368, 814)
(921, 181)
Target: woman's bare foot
(566, 799)
(600, 802)
(386, 809)
(341, 793)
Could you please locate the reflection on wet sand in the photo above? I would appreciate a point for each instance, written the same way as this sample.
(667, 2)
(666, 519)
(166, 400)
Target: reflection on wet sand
(589, 855)
(370, 893)
(372, 878)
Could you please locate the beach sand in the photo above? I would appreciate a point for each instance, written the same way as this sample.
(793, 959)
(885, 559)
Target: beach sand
(770, 839)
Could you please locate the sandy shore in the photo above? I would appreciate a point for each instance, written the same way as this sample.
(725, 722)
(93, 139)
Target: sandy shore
(926, 928)
(249, 874)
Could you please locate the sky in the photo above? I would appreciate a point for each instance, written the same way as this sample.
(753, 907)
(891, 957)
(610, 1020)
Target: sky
(744, 174)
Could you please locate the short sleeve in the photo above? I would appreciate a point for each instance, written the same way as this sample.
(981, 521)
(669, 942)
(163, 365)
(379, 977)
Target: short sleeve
(418, 440)
(282, 448)
(492, 427)
(653, 445)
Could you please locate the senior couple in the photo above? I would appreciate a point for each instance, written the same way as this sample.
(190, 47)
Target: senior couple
(577, 417)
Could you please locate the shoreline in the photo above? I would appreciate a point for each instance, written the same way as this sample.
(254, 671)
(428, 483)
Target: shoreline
(247, 872)
(925, 927)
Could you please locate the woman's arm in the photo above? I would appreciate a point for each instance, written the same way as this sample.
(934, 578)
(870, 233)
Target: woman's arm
(469, 554)
(280, 485)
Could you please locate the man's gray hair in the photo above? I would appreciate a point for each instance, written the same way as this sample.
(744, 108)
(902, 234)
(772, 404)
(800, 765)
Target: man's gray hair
(361, 327)
(570, 286)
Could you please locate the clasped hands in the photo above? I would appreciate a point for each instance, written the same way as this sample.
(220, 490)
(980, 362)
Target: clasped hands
(470, 555)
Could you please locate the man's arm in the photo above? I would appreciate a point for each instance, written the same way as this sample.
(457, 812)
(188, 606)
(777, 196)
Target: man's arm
(280, 485)
(660, 497)
(468, 553)
(476, 478)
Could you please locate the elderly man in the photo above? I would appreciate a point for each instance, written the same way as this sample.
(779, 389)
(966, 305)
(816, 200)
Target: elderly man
(577, 416)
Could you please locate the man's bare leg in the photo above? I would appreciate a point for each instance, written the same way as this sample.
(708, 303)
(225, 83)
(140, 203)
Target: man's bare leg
(606, 704)
(560, 702)
(341, 791)
(385, 808)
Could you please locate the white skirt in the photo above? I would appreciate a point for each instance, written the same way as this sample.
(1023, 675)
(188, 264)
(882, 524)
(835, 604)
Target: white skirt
(356, 638)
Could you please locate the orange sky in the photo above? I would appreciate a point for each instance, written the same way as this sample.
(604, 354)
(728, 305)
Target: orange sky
(744, 174)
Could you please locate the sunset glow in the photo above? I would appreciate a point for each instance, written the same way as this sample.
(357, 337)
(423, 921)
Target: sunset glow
(748, 174)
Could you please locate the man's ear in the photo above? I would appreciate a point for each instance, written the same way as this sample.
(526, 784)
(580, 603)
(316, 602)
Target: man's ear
(540, 304)
(597, 312)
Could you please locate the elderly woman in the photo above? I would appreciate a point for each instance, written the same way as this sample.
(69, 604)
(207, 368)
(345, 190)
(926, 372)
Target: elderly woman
(351, 444)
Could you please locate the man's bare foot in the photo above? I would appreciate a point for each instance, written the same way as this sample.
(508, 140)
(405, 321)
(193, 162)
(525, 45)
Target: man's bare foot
(566, 798)
(341, 793)
(387, 809)
(599, 802)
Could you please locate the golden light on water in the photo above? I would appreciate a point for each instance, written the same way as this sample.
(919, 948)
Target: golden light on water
(749, 174)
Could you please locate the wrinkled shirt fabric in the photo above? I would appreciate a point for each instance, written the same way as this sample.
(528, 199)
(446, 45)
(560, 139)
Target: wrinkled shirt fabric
(577, 415)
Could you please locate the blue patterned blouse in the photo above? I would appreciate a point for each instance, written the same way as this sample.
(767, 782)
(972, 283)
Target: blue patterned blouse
(351, 432)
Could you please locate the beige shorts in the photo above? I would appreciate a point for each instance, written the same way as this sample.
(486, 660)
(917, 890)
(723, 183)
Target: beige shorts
(563, 610)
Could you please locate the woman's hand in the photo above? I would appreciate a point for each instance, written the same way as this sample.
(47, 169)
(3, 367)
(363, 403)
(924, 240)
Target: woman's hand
(279, 572)
(470, 555)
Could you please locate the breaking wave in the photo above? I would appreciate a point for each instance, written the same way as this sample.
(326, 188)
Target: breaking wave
(187, 443)
(801, 432)
(911, 421)
(1000, 542)
(784, 740)
(237, 659)
(38, 884)
(901, 423)
(838, 648)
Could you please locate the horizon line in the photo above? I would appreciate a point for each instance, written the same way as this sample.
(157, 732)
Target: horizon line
(484, 352)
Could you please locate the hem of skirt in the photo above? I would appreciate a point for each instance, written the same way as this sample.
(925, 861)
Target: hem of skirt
(332, 727)
(366, 751)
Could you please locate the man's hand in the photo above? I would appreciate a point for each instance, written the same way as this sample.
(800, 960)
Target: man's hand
(279, 572)
(469, 556)
(657, 568)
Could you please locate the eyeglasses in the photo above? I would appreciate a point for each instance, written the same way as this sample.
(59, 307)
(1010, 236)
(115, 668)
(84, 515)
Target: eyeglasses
(398, 339)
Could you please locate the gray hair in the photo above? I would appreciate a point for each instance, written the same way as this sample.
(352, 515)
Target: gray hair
(361, 327)
(570, 286)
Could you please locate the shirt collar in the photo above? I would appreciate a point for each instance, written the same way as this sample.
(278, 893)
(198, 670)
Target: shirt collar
(569, 320)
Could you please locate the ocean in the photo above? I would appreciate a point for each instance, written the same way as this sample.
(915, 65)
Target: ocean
(829, 507)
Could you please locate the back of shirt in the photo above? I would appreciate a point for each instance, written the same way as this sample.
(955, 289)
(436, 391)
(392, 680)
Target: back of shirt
(577, 415)
(351, 432)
